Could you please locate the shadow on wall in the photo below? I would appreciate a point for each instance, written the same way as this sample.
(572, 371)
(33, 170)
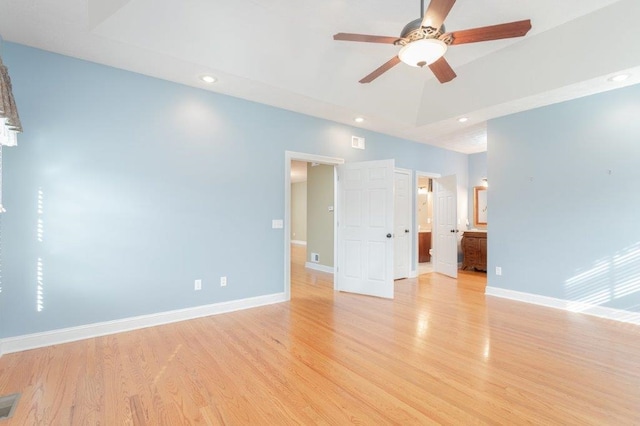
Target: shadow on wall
(612, 281)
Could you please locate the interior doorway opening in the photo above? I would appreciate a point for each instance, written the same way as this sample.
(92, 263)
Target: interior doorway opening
(312, 213)
(303, 247)
(424, 204)
(363, 205)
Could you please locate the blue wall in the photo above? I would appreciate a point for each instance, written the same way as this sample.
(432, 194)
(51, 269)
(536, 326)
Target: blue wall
(564, 200)
(477, 172)
(147, 185)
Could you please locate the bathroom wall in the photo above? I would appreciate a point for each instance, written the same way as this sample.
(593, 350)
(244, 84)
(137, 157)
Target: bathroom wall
(425, 205)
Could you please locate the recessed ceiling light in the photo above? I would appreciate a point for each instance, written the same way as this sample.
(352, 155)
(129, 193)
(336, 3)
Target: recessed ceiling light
(463, 120)
(620, 77)
(358, 119)
(208, 79)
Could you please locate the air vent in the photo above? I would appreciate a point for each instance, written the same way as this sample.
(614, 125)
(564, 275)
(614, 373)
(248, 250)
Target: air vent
(8, 405)
(357, 142)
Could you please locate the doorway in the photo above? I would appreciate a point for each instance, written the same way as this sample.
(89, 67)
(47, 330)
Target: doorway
(363, 255)
(312, 214)
(292, 160)
(424, 207)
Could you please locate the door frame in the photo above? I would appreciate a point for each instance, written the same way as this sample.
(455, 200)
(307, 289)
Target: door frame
(309, 158)
(417, 176)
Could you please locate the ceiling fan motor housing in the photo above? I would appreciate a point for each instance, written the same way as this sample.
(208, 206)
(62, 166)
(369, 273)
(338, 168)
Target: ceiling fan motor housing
(415, 31)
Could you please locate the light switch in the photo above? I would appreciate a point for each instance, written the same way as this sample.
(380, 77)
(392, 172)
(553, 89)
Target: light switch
(330, 208)
(277, 223)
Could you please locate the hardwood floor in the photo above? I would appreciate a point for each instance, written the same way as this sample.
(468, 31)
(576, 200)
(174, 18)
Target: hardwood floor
(440, 353)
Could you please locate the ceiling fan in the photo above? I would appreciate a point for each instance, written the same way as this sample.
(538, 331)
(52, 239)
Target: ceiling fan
(424, 40)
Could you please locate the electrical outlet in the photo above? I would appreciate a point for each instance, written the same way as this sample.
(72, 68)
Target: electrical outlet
(223, 281)
(197, 285)
(498, 270)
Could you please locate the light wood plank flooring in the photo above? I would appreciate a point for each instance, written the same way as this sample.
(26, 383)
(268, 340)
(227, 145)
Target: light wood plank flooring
(440, 353)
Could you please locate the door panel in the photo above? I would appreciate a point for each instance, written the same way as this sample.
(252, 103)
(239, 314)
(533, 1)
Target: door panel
(365, 254)
(353, 208)
(377, 253)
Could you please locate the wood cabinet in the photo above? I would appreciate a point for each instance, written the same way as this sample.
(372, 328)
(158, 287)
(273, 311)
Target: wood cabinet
(424, 245)
(474, 250)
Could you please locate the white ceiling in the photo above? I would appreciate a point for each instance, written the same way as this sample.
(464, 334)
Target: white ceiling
(281, 53)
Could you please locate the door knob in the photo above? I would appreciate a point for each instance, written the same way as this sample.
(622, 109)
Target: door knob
(406, 231)
(453, 230)
(388, 235)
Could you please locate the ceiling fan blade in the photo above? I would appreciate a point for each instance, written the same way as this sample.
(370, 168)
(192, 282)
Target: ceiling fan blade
(442, 70)
(493, 32)
(381, 70)
(436, 13)
(365, 38)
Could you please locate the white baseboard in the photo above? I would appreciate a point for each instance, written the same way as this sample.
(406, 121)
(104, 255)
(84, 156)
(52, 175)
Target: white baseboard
(567, 305)
(413, 274)
(319, 267)
(55, 337)
(299, 242)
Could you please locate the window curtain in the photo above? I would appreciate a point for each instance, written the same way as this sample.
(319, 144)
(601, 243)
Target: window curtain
(9, 120)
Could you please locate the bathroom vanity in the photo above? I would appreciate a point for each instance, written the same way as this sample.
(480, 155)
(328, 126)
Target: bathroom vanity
(474, 249)
(424, 246)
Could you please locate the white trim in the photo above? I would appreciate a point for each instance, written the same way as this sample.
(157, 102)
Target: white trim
(288, 157)
(567, 305)
(336, 210)
(319, 267)
(299, 242)
(403, 170)
(55, 337)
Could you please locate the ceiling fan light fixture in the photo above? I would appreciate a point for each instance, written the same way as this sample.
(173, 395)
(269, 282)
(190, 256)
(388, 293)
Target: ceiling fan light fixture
(422, 52)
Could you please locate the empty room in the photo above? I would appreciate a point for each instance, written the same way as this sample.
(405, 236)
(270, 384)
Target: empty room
(277, 212)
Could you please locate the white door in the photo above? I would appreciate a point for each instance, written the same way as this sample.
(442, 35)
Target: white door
(446, 219)
(365, 228)
(402, 224)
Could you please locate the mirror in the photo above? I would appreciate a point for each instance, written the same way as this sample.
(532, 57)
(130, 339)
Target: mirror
(480, 206)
